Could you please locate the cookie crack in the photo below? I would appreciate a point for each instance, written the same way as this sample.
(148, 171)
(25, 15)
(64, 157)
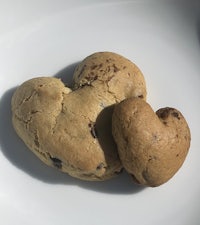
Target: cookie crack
(36, 139)
(26, 122)
(110, 92)
(28, 98)
(59, 112)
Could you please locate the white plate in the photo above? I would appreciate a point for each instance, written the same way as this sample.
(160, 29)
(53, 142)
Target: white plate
(49, 37)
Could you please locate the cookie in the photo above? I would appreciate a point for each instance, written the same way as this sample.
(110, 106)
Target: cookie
(152, 146)
(71, 129)
(123, 79)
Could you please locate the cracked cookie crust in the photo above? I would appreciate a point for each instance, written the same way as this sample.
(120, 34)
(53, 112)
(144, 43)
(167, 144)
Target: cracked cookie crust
(71, 130)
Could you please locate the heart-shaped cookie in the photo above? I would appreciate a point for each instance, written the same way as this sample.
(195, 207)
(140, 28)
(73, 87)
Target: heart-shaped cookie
(152, 146)
(71, 130)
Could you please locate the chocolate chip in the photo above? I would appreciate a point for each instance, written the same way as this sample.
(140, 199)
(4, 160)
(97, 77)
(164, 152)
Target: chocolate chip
(95, 77)
(176, 115)
(116, 69)
(56, 162)
(164, 113)
(164, 122)
(34, 111)
(140, 96)
(109, 60)
(95, 66)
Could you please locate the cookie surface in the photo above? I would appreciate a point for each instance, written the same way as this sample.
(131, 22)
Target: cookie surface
(152, 146)
(70, 130)
(122, 77)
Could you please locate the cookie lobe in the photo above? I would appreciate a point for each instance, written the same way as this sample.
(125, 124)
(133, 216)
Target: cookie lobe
(70, 129)
(152, 146)
(122, 77)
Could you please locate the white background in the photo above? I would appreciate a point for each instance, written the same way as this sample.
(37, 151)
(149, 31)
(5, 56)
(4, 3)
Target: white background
(48, 38)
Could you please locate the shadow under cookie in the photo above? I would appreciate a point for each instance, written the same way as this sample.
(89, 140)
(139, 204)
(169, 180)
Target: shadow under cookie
(20, 156)
(66, 74)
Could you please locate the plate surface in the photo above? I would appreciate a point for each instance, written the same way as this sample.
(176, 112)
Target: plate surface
(49, 38)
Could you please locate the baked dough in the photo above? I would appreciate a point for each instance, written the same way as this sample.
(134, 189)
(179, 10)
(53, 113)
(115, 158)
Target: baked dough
(121, 77)
(71, 130)
(152, 146)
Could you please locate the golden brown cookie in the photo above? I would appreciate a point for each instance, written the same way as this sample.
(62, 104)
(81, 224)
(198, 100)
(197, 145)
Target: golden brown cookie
(71, 130)
(152, 146)
(123, 79)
